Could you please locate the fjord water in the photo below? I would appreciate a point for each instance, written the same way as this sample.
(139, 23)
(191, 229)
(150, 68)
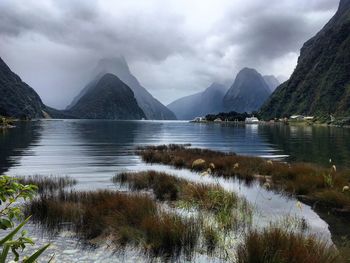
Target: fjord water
(92, 151)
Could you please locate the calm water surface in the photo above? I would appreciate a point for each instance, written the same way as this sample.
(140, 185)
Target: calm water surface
(94, 151)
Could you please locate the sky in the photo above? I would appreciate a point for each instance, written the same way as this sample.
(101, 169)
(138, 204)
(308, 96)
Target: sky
(174, 47)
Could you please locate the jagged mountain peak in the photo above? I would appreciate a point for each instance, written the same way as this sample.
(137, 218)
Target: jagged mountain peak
(153, 109)
(107, 98)
(248, 92)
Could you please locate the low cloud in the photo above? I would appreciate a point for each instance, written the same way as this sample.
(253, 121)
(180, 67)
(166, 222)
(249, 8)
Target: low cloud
(174, 47)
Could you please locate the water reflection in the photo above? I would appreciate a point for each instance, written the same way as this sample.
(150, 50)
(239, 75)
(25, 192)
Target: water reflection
(310, 143)
(17, 142)
(93, 151)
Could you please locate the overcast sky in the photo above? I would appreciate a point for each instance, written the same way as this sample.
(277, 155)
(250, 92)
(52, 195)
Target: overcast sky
(174, 47)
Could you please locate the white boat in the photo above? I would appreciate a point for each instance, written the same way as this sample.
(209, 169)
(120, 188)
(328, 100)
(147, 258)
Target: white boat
(252, 120)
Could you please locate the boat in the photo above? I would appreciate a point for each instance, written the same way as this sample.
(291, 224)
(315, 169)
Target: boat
(252, 120)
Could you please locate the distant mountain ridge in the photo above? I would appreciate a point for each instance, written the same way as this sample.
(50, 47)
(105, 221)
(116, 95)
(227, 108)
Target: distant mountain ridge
(248, 92)
(320, 84)
(118, 66)
(199, 104)
(107, 98)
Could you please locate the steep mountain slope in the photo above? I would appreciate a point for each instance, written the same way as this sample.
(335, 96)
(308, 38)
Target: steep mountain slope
(152, 108)
(320, 84)
(17, 99)
(248, 92)
(108, 98)
(199, 104)
(272, 82)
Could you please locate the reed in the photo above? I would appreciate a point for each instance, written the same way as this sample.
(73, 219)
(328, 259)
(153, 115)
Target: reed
(229, 210)
(275, 244)
(48, 183)
(125, 219)
(295, 179)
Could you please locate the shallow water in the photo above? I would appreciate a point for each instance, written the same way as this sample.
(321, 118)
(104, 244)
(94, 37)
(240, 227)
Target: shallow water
(93, 151)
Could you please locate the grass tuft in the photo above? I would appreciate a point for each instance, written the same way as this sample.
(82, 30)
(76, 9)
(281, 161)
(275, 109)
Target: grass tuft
(300, 179)
(48, 183)
(279, 245)
(126, 219)
(229, 210)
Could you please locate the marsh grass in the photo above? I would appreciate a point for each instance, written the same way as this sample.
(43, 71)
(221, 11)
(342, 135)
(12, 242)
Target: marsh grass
(275, 244)
(230, 211)
(5, 121)
(295, 179)
(125, 219)
(48, 183)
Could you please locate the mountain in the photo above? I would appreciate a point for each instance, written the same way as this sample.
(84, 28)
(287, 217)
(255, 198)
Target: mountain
(17, 99)
(199, 104)
(153, 109)
(248, 92)
(320, 84)
(107, 98)
(272, 82)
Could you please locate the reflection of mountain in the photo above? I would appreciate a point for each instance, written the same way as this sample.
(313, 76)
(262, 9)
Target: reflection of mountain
(13, 142)
(310, 144)
(106, 143)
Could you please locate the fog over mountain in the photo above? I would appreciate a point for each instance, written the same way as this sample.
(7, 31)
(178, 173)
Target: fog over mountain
(272, 82)
(174, 49)
(107, 98)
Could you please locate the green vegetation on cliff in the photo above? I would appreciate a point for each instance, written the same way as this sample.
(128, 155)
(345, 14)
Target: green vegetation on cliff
(320, 84)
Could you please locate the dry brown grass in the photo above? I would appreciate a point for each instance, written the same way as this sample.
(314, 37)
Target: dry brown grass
(229, 210)
(295, 178)
(275, 245)
(126, 219)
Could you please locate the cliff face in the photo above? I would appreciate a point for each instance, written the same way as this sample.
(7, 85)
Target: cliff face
(199, 104)
(320, 84)
(248, 92)
(17, 99)
(153, 109)
(108, 98)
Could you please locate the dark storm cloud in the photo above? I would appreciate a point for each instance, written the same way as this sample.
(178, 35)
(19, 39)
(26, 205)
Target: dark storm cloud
(174, 47)
(81, 24)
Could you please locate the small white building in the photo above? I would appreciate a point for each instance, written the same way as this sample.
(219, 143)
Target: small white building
(297, 117)
(251, 120)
